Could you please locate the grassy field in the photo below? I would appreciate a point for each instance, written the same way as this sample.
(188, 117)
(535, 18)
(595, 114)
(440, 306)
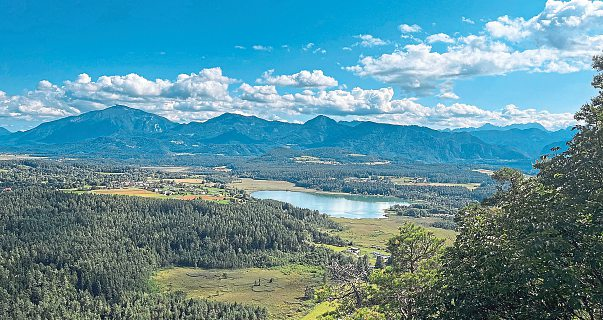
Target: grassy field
(169, 169)
(188, 180)
(251, 185)
(279, 289)
(319, 310)
(283, 296)
(8, 156)
(371, 235)
(485, 171)
(129, 192)
(405, 181)
(150, 194)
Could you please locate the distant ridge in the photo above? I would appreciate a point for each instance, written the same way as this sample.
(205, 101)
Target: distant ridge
(489, 126)
(120, 131)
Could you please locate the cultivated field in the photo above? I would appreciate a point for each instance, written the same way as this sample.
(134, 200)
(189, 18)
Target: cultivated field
(150, 194)
(129, 192)
(279, 289)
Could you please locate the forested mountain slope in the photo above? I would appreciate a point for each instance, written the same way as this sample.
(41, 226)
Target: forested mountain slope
(124, 132)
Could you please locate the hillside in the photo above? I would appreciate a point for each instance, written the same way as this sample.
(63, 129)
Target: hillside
(125, 132)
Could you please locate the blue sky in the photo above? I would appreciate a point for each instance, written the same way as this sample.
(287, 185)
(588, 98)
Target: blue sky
(438, 64)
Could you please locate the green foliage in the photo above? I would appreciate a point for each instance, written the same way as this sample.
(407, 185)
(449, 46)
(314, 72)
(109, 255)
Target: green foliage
(402, 289)
(532, 251)
(413, 247)
(71, 256)
(535, 249)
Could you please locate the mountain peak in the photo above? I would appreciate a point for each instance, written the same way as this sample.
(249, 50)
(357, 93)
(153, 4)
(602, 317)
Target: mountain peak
(320, 120)
(116, 120)
(231, 117)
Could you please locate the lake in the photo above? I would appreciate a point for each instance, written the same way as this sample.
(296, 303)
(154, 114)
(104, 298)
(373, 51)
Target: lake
(335, 205)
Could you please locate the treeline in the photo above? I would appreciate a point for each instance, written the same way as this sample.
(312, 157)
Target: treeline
(376, 180)
(67, 256)
(67, 174)
(291, 171)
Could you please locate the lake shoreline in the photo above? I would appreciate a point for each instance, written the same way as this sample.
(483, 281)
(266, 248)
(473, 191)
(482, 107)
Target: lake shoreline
(252, 185)
(335, 205)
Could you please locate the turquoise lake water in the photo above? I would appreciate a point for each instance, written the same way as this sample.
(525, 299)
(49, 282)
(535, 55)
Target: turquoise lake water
(335, 205)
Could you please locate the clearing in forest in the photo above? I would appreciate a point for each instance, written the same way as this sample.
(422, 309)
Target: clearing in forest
(280, 289)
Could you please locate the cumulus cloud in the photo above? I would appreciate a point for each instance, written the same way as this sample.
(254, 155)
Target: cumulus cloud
(262, 94)
(367, 40)
(467, 20)
(380, 105)
(561, 39)
(405, 28)
(460, 115)
(208, 83)
(202, 95)
(302, 79)
(449, 95)
(565, 25)
(440, 37)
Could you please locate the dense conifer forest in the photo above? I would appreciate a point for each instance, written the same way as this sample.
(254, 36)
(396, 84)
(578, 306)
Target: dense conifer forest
(67, 256)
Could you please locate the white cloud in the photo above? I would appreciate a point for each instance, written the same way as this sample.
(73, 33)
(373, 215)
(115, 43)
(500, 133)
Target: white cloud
(510, 29)
(261, 94)
(440, 37)
(208, 83)
(460, 115)
(379, 105)
(561, 39)
(467, 20)
(240, 47)
(308, 46)
(206, 94)
(448, 95)
(367, 40)
(565, 25)
(302, 79)
(405, 28)
(259, 47)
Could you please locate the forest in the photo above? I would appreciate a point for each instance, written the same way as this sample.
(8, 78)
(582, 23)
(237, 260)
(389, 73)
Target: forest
(67, 256)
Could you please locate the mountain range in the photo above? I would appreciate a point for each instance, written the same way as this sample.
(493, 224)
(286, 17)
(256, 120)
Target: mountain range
(120, 131)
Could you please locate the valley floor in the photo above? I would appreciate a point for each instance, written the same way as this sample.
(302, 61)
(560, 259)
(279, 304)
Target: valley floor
(279, 289)
(284, 295)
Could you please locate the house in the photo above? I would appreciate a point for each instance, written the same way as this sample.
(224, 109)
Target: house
(354, 250)
(379, 254)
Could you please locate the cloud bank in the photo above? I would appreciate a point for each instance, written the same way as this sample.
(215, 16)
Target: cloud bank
(208, 93)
